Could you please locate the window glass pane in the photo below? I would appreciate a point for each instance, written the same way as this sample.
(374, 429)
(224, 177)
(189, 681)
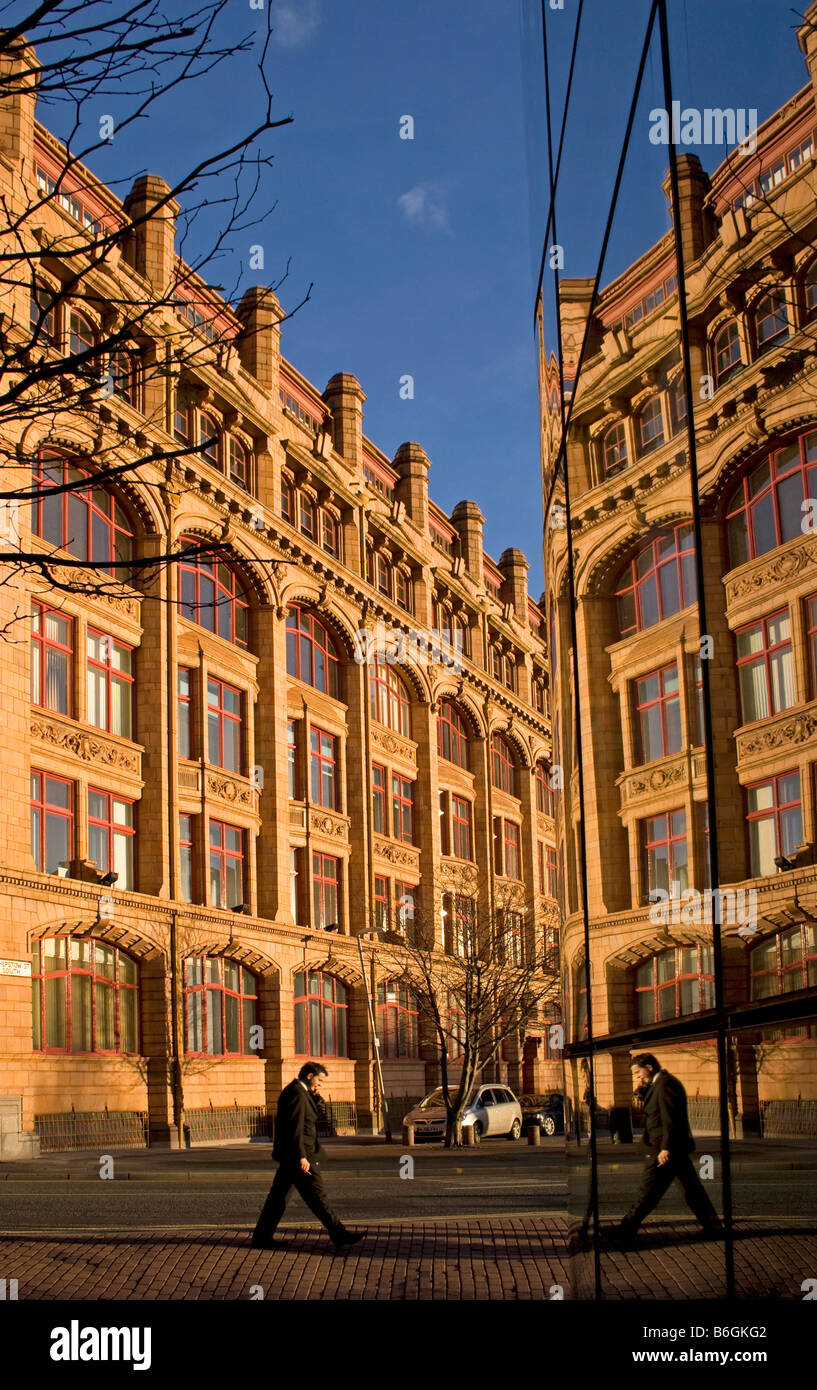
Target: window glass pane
(128, 1020)
(36, 1017)
(248, 1007)
(123, 860)
(300, 1030)
(104, 958)
(231, 975)
(128, 970)
(315, 1027)
(105, 1031)
(231, 1007)
(55, 1009)
(81, 1037)
(195, 1022)
(215, 1044)
(57, 842)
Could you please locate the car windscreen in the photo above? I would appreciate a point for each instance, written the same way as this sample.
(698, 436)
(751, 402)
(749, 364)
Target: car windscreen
(436, 1101)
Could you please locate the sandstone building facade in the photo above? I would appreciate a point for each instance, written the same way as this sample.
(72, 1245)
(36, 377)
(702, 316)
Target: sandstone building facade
(207, 738)
(749, 243)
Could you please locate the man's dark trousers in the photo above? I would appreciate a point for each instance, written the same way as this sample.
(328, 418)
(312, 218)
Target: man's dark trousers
(658, 1177)
(309, 1186)
(666, 1127)
(296, 1138)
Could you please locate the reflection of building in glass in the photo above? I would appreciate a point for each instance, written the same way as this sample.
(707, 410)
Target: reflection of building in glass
(750, 272)
(206, 796)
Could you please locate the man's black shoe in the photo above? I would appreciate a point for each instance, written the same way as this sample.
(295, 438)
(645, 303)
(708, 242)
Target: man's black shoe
(713, 1231)
(343, 1238)
(623, 1236)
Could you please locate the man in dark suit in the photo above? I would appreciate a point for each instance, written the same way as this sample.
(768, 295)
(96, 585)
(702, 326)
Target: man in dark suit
(667, 1134)
(296, 1147)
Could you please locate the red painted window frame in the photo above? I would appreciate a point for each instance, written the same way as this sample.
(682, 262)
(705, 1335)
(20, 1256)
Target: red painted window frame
(460, 827)
(762, 656)
(503, 765)
(116, 984)
(112, 673)
(41, 645)
(304, 626)
(338, 1001)
(222, 854)
(661, 701)
(234, 598)
(402, 804)
(319, 760)
(450, 718)
(47, 808)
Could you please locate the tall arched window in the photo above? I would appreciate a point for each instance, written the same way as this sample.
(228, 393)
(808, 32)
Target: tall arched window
(726, 353)
(397, 1020)
(544, 791)
(503, 765)
(321, 1014)
(771, 321)
(213, 596)
(85, 997)
(239, 465)
(220, 1007)
(81, 336)
(658, 581)
(124, 376)
(675, 982)
(452, 735)
(678, 405)
(89, 523)
(810, 286)
(388, 700)
(312, 654)
(766, 508)
(650, 426)
(209, 436)
(614, 449)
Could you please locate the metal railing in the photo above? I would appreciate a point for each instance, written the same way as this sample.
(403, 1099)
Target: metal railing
(229, 1122)
(788, 1118)
(92, 1129)
(336, 1117)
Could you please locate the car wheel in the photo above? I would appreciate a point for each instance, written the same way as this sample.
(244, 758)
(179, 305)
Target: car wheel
(478, 1131)
(549, 1125)
(516, 1129)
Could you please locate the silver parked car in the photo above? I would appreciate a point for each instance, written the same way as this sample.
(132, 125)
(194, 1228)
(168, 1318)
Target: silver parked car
(493, 1110)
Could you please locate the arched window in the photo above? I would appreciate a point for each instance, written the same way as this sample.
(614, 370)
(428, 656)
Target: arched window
(312, 655)
(675, 982)
(678, 405)
(239, 465)
(785, 962)
(544, 791)
(402, 589)
(810, 285)
(124, 376)
(43, 317)
(81, 336)
(650, 426)
(771, 321)
(727, 354)
(452, 735)
(321, 1013)
(765, 510)
(213, 596)
(89, 522)
(85, 997)
(450, 626)
(614, 450)
(397, 1020)
(209, 435)
(220, 1007)
(388, 700)
(658, 581)
(503, 765)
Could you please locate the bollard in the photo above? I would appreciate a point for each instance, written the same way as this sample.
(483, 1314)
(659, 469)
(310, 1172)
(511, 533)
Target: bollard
(534, 1134)
(469, 1135)
(408, 1135)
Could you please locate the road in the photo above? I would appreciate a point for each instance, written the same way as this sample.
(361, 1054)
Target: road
(226, 1186)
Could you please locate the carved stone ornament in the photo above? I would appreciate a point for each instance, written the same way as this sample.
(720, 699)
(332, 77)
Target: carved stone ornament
(328, 825)
(784, 568)
(660, 777)
(459, 876)
(89, 747)
(228, 790)
(124, 604)
(391, 743)
(397, 854)
(799, 729)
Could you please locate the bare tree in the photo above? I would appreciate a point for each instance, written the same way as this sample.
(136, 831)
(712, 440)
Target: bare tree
(84, 322)
(498, 977)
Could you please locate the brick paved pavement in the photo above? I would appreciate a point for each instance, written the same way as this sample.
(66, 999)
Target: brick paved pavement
(502, 1258)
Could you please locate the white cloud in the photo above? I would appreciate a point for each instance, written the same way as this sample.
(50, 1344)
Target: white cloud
(294, 22)
(425, 205)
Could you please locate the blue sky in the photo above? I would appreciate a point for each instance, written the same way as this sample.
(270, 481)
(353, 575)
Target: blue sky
(423, 253)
